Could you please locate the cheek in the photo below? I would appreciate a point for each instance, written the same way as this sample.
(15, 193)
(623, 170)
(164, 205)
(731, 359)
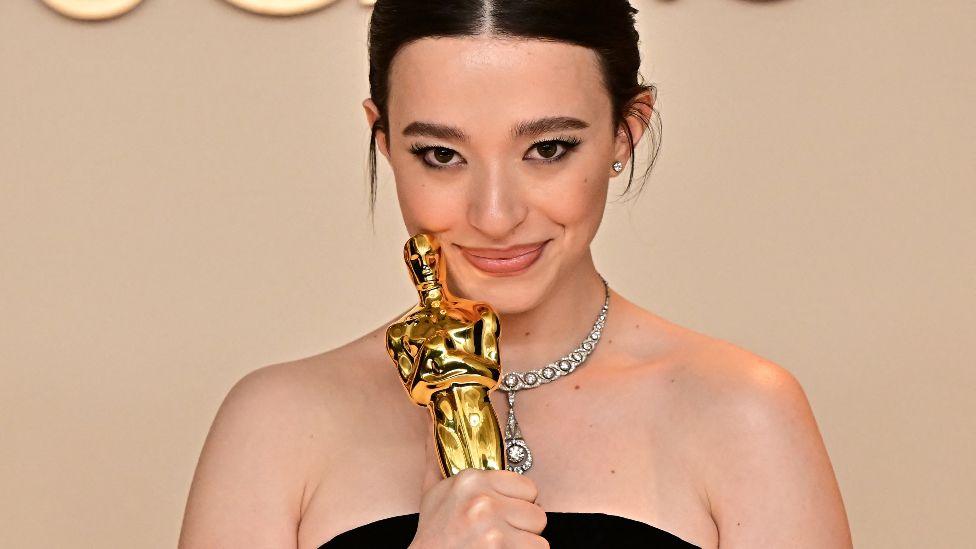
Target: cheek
(425, 206)
(577, 204)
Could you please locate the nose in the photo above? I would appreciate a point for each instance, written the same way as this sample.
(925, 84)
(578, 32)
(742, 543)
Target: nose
(495, 203)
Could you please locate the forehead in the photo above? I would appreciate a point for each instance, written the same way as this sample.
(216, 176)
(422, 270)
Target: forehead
(458, 79)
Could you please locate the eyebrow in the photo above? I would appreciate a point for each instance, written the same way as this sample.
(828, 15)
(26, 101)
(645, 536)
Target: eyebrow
(538, 126)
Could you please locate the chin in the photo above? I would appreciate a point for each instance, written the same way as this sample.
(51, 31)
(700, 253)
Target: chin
(508, 302)
(507, 295)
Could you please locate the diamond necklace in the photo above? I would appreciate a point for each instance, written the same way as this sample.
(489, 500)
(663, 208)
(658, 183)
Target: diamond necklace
(517, 451)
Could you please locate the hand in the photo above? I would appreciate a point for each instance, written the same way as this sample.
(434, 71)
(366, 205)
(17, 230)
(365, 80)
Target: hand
(478, 509)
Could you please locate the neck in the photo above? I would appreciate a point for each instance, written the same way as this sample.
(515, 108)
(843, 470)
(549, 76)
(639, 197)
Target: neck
(557, 324)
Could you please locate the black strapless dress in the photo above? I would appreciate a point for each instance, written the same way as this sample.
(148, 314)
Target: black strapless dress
(564, 530)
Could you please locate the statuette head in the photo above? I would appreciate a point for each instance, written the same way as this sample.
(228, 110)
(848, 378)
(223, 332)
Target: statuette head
(422, 254)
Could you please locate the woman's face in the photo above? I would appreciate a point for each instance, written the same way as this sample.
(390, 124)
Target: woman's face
(497, 143)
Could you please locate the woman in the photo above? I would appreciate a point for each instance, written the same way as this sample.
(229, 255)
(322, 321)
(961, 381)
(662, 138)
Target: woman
(504, 122)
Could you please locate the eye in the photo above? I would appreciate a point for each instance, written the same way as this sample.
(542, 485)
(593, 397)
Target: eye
(439, 157)
(549, 149)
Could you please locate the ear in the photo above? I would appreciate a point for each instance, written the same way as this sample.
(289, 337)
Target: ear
(372, 115)
(641, 105)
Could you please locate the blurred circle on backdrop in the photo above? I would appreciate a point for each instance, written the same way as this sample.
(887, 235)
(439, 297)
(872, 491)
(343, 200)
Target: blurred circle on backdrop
(92, 10)
(95, 10)
(280, 7)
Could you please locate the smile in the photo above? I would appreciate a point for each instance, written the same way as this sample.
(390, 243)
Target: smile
(504, 262)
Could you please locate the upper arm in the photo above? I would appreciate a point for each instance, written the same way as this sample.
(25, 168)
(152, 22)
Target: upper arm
(771, 483)
(248, 486)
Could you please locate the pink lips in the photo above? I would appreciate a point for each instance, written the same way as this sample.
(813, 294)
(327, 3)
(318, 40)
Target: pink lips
(506, 261)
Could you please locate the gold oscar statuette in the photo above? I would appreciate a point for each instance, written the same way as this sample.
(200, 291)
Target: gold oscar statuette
(446, 353)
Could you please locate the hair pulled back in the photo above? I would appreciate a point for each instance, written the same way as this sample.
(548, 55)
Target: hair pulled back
(605, 26)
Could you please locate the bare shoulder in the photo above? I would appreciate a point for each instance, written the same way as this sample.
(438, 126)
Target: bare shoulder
(303, 391)
(252, 478)
(712, 376)
(729, 377)
(757, 447)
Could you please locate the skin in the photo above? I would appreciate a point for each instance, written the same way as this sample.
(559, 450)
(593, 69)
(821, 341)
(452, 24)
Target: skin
(662, 424)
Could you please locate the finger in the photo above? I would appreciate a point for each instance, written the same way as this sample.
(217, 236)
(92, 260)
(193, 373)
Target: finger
(512, 484)
(525, 516)
(527, 540)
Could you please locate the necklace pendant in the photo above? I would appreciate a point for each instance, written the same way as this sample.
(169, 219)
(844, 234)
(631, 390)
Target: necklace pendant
(517, 452)
(519, 455)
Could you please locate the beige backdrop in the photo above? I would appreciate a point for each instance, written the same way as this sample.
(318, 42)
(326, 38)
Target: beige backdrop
(183, 200)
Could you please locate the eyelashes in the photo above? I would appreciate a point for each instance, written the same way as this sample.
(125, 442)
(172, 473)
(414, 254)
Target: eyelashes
(567, 143)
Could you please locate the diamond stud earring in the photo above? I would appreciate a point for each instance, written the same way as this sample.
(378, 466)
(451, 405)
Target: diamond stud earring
(618, 167)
